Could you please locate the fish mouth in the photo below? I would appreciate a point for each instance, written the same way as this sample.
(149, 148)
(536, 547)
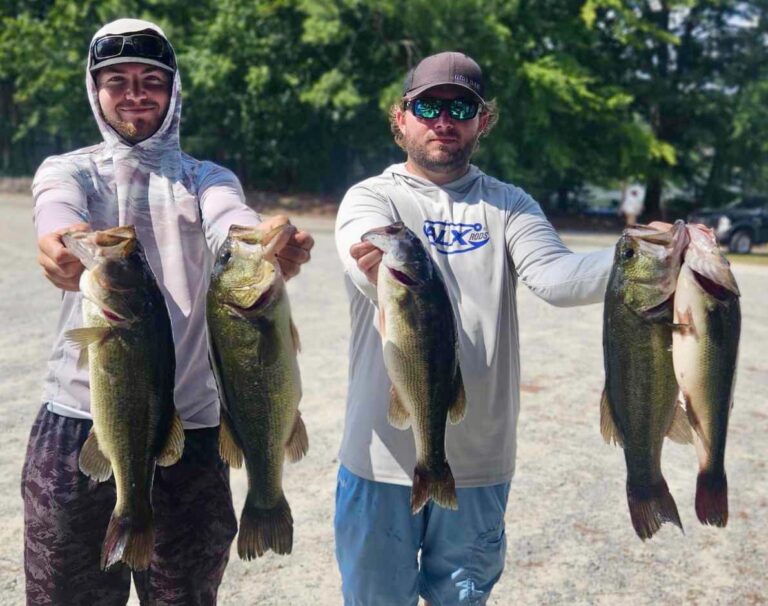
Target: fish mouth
(676, 234)
(380, 236)
(88, 293)
(261, 302)
(269, 241)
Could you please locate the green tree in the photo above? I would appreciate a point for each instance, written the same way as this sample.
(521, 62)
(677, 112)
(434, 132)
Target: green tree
(691, 67)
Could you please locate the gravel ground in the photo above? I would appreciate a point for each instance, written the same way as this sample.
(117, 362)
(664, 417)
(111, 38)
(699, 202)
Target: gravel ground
(570, 540)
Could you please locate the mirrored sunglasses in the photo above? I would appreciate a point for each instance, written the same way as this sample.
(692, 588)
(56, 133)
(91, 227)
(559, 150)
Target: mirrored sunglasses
(429, 108)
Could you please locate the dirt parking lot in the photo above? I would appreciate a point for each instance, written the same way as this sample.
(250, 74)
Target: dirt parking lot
(570, 540)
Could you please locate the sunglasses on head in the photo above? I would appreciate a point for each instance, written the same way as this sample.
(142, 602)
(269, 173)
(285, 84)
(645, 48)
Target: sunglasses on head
(429, 108)
(146, 46)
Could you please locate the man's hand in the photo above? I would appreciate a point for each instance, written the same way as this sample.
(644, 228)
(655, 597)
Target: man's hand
(60, 266)
(368, 258)
(295, 251)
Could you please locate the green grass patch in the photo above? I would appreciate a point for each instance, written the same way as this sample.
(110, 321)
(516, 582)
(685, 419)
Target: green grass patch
(760, 258)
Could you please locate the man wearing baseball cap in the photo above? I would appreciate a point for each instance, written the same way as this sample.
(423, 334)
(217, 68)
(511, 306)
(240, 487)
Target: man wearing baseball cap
(181, 209)
(483, 236)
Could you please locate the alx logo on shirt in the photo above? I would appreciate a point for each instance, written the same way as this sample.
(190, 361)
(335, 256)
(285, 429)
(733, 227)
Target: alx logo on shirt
(450, 238)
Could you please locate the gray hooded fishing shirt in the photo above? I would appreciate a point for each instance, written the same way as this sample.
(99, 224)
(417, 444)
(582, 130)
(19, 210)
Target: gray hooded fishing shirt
(182, 209)
(483, 235)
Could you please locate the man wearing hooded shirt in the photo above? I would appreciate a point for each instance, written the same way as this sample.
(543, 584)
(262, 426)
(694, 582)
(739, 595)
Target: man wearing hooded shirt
(181, 209)
(483, 235)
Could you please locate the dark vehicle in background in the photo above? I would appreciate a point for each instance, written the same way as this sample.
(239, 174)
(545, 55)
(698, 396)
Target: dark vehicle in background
(739, 225)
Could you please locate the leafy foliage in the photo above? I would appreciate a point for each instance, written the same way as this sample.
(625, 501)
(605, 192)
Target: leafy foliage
(294, 94)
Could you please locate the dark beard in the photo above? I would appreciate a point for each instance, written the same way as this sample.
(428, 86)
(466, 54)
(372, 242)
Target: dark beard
(451, 161)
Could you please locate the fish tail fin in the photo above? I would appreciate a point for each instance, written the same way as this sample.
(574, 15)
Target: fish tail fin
(264, 529)
(130, 539)
(436, 485)
(650, 507)
(712, 498)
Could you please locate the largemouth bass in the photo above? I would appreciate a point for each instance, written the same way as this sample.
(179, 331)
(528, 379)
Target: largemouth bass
(705, 349)
(419, 336)
(128, 343)
(253, 348)
(639, 402)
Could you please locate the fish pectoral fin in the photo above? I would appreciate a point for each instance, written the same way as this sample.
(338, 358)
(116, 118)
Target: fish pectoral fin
(295, 336)
(684, 322)
(608, 428)
(398, 415)
(174, 444)
(680, 429)
(92, 461)
(82, 359)
(229, 450)
(298, 442)
(459, 408)
(81, 338)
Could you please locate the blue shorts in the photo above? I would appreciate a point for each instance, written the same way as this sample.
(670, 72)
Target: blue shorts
(378, 542)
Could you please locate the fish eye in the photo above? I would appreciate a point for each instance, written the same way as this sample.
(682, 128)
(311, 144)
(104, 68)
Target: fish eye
(226, 256)
(629, 253)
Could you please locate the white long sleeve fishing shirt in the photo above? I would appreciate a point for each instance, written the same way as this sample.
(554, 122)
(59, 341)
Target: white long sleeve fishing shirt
(182, 209)
(483, 235)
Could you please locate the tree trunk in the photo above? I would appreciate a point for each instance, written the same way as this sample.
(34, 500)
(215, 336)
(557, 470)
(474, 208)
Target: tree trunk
(652, 210)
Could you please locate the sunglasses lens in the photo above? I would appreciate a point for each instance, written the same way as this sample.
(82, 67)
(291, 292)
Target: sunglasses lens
(427, 108)
(111, 46)
(147, 46)
(459, 109)
(462, 109)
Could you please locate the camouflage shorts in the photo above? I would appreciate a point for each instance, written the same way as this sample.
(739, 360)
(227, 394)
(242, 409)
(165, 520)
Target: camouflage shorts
(66, 516)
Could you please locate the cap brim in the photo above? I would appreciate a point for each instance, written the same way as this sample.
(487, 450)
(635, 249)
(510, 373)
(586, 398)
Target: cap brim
(144, 60)
(412, 94)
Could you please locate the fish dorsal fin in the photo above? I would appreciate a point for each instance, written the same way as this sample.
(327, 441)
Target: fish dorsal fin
(459, 407)
(680, 429)
(92, 461)
(174, 443)
(229, 450)
(608, 428)
(295, 336)
(398, 414)
(298, 442)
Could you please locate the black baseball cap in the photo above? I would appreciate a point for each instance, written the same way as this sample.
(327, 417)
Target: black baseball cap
(452, 68)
